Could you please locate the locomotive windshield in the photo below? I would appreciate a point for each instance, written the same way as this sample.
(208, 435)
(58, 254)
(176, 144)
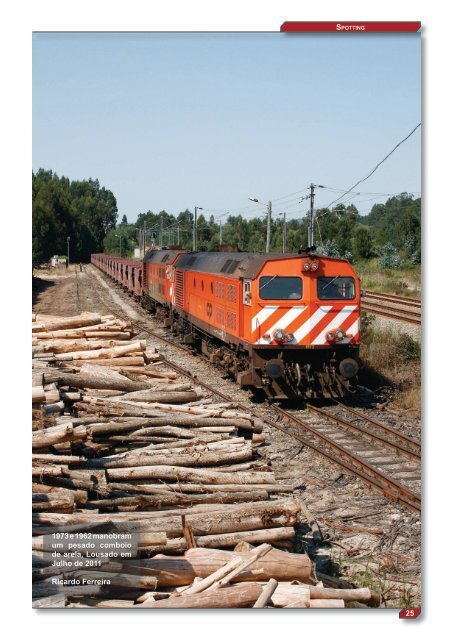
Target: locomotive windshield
(336, 288)
(280, 288)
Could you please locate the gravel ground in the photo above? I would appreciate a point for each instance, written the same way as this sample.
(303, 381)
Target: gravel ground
(368, 539)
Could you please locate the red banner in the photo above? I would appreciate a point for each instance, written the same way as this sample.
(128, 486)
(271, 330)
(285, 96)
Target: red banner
(350, 27)
(410, 613)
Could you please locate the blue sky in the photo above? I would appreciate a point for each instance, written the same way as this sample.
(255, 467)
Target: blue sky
(170, 121)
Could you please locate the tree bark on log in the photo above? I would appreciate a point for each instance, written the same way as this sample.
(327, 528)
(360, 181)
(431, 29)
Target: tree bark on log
(114, 363)
(266, 594)
(348, 595)
(95, 377)
(146, 459)
(112, 352)
(326, 604)
(38, 395)
(214, 541)
(168, 472)
(281, 565)
(54, 435)
(83, 320)
(57, 601)
(59, 503)
(237, 596)
(147, 501)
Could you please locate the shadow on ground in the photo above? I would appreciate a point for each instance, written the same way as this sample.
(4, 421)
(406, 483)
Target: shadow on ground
(38, 287)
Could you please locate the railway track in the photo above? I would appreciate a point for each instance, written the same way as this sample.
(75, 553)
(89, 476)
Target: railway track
(382, 457)
(390, 297)
(382, 309)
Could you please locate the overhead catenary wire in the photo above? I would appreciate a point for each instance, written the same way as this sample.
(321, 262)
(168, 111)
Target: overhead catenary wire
(375, 168)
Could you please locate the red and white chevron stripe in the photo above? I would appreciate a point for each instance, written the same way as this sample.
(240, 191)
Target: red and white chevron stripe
(308, 324)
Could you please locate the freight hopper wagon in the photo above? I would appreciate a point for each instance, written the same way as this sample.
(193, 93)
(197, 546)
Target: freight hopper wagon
(285, 324)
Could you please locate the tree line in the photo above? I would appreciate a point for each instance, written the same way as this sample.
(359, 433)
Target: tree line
(393, 228)
(88, 213)
(81, 210)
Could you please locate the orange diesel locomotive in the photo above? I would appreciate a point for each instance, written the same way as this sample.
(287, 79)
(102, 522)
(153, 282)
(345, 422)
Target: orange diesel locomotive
(284, 323)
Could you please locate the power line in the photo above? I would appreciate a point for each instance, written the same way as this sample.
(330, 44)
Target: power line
(376, 167)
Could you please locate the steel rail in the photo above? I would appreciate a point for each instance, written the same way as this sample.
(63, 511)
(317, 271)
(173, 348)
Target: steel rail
(402, 436)
(411, 302)
(397, 314)
(360, 467)
(400, 448)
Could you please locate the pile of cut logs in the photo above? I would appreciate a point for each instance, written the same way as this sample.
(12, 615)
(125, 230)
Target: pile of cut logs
(120, 444)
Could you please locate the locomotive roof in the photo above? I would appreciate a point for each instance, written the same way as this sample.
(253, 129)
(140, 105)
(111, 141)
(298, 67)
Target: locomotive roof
(166, 256)
(235, 265)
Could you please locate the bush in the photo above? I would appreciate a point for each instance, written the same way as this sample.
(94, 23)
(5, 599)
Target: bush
(329, 248)
(390, 258)
(407, 349)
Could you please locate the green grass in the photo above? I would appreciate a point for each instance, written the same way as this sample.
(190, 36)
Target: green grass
(402, 282)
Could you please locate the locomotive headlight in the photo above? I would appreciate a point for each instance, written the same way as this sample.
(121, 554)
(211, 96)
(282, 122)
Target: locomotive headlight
(279, 335)
(340, 335)
(314, 266)
(289, 337)
(307, 266)
(330, 336)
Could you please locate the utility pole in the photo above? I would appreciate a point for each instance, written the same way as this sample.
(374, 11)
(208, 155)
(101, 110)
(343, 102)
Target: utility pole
(268, 234)
(269, 216)
(144, 238)
(194, 238)
(311, 218)
(67, 240)
(177, 234)
(284, 232)
(220, 232)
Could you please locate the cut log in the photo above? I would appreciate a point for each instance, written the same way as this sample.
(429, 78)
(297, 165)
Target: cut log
(326, 604)
(38, 394)
(57, 601)
(204, 583)
(150, 459)
(348, 595)
(237, 596)
(111, 352)
(254, 555)
(95, 377)
(275, 535)
(57, 502)
(166, 472)
(312, 523)
(83, 320)
(53, 435)
(266, 594)
(280, 565)
(79, 496)
(116, 363)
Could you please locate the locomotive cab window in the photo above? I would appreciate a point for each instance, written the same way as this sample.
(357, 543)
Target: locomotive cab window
(280, 288)
(336, 288)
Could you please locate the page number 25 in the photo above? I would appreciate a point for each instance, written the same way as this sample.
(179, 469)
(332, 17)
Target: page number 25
(410, 613)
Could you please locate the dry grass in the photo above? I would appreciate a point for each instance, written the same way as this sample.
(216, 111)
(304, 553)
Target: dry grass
(410, 401)
(393, 359)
